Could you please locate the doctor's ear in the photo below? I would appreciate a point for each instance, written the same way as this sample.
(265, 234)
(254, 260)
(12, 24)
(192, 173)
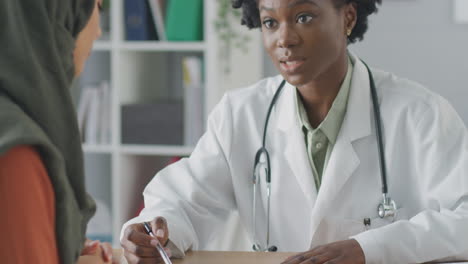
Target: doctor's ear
(350, 17)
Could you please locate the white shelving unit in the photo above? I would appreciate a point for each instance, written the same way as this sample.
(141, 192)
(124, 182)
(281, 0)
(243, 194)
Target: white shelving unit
(163, 46)
(117, 173)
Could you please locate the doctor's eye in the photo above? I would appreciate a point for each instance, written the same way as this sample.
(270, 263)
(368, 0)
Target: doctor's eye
(304, 18)
(269, 23)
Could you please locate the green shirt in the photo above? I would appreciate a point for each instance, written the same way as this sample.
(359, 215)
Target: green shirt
(320, 141)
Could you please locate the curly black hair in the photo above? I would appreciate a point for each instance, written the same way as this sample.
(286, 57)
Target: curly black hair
(251, 14)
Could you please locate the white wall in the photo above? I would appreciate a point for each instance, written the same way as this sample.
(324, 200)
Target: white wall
(245, 65)
(418, 40)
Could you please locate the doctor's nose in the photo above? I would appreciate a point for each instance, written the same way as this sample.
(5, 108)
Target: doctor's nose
(287, 37)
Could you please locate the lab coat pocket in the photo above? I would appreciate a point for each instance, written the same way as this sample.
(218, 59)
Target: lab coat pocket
(352, 227)
(334, 229)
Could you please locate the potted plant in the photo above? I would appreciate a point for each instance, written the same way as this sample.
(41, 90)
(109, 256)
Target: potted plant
(226, 28)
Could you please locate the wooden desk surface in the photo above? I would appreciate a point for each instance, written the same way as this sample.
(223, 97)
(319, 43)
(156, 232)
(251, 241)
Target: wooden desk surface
(231, 257)
(212, 257)
(216, 257)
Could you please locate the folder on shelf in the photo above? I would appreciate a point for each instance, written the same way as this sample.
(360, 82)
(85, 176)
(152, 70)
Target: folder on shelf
(157, 11)
(138, 21)
(184, 20)
(91, 130)
(83, 110)
(105, 114)
(94, 115)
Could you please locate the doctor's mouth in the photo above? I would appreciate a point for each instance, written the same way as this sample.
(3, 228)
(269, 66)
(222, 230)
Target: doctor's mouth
(291, 65)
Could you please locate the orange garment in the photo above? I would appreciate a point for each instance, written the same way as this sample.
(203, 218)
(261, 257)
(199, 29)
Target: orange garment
(27, 204)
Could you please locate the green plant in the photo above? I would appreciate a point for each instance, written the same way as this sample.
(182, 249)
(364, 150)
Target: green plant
(229, 37)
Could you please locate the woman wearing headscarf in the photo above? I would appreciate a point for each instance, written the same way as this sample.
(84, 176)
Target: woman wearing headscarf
(45, 208)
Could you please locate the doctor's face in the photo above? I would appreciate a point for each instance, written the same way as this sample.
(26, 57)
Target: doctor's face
(306, 39)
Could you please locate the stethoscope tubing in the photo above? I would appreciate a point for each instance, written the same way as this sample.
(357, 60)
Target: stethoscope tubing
(378, 125)
(386, 208)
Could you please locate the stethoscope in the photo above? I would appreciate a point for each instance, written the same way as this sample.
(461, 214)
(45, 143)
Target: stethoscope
(386, 209)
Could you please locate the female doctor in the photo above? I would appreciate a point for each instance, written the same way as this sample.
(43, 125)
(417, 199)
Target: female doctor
(364, 167)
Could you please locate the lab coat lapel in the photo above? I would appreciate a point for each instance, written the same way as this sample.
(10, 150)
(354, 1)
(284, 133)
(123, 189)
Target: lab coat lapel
(295, 152)
(344, 160)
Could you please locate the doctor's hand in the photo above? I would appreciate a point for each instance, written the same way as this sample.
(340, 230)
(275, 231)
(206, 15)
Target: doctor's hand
(341, 252)
(139, 247)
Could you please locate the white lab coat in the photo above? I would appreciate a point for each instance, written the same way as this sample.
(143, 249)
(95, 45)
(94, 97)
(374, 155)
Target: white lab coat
(426, 147)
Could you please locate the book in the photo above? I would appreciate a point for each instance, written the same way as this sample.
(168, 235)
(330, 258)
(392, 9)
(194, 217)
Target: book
(91, 129)
(83, 109)
(184, 21)
(193, 99)
(157, 11)
(94, 110)
(138, 21)
(105, 114)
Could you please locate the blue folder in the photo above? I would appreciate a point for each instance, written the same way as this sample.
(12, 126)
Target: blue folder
(138, 21)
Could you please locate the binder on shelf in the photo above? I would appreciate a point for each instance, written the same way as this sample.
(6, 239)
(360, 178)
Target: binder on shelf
(184, 20)
(157, 11)
(138, 21)
(105, 114)
(193, 99)
(92, 123)
(83, 109)
(94, 114)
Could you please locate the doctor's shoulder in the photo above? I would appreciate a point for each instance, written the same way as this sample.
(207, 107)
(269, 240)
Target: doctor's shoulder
(256, 94)
(250, 101)
(402, 95)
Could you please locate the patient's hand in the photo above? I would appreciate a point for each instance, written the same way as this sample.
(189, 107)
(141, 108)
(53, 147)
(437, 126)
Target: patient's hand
(95, 252)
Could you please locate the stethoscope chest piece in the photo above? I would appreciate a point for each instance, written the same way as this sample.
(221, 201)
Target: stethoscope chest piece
(258, 248)
(387, 208)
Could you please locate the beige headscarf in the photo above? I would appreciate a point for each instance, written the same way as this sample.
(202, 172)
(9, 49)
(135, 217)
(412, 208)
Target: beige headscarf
(37, 39)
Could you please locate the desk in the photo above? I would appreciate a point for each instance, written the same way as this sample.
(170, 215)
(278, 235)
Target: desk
(212, 257)
(216, 257)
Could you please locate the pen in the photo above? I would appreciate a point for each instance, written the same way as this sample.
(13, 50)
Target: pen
(367, 223)
(163, 254)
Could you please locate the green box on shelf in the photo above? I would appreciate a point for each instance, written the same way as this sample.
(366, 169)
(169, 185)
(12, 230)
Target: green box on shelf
(184, 21)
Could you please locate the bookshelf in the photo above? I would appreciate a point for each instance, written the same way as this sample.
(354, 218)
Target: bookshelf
(116, 173)
(101, 45)
(163, 46)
